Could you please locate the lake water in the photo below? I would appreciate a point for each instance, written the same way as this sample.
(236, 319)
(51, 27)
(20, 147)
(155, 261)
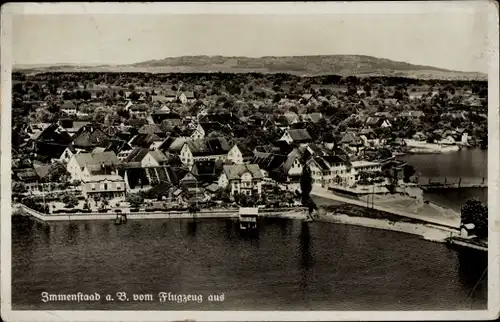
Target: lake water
(291, 266)
(469, 163)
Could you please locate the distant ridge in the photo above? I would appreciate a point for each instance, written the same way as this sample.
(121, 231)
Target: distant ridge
(344, 65)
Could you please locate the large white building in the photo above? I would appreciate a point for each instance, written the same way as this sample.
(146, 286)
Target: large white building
(84, 165)
(242, 179)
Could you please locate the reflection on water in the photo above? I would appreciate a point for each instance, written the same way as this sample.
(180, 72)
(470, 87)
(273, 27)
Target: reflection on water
(292, 265)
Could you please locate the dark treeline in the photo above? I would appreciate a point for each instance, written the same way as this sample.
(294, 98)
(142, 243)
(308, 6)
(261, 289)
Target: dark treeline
(276, 78)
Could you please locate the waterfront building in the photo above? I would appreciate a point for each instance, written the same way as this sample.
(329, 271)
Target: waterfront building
(96, 187)
(242, 179)
(85, 165)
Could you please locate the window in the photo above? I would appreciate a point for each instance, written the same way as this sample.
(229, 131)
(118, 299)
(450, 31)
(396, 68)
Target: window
(105, 186)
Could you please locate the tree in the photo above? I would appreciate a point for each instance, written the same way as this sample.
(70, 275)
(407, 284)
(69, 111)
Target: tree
(135, 200)
(392, 176)
(306, 184)
(70, 201)
(134, 96)
(408, 171)
(474, 212)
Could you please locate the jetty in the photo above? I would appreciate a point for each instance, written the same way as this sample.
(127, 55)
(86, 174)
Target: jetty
(451, 183)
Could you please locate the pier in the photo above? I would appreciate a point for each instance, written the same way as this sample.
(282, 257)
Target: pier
(451, 183)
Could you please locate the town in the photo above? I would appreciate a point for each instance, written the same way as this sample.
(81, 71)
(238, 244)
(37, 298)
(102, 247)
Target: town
(106, 142)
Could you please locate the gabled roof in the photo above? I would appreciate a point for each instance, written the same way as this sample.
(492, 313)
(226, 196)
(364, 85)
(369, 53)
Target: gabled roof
(97, 159)
(90, 136)
(68, 105)
(151, 129)
(207, 171)
(117, 145)
(235, 171)
(290, 159)
(270, 162)
(350, 138)
(299, 135)
(136, 155)
(144, 140)
(213, 146)
(158, 98)
(189, 94)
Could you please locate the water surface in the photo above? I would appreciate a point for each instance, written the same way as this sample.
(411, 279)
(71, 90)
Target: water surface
(291, 266)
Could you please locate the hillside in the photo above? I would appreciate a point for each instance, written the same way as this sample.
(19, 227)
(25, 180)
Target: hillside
(345, 65)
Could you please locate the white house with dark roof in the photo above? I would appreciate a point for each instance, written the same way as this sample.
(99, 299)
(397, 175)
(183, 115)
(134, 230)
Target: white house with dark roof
(69, 108)
(296, 136)
(103, 186)
(186, 97)
(242, 179)
(85, 165)
(205, 149)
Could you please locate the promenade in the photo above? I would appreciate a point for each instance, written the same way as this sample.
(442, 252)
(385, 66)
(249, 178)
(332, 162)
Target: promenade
(406, 207)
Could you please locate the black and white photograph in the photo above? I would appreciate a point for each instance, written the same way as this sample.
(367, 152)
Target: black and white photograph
(179, 161)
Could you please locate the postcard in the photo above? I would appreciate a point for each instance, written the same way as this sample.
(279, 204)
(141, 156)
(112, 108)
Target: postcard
(250, 161)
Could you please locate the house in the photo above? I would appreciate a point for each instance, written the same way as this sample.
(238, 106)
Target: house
(235, 155)
(351, 140)
(138, 178)
(51, 142)
(357, 167)
(164, 113)
(68, 153)
(152, 129)
(72, 127)
(292, 167)
(85, 165)
(170, 96)
(144, 140)
(386, 115)
(287, 119)
(242, 179)
(239, 154)
(195, 131)
(139, 111)
(89, 137)
(306, 98)
(296, 136)
(270, 165)
(157, 158)
(467, 230)
(376, 122)
(186, 97)
(28, 177)
(158, 98)
(120, 147)
(207, 171)
(411, 114)
(100, 186)
(204, 149)
(369, 137)
(311, 117)
(69, 108)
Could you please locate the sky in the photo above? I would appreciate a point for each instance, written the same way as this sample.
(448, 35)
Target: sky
(452, 40)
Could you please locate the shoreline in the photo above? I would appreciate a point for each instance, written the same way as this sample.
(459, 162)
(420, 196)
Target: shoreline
(428, 231)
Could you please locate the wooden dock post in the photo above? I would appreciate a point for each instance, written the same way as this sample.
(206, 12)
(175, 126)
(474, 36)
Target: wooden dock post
(483, 182)
(429, 180)
(459, 181)
(445, 181)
